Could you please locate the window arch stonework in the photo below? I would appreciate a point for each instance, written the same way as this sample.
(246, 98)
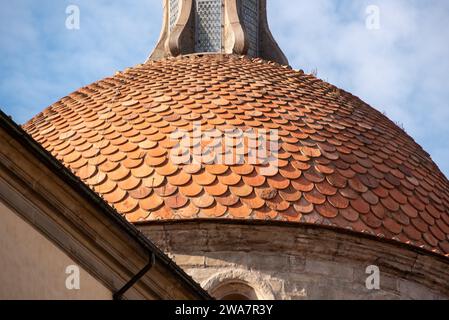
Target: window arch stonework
(238, 283)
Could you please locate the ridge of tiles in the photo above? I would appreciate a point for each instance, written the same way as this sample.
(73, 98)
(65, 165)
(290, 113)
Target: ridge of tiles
(340, 162)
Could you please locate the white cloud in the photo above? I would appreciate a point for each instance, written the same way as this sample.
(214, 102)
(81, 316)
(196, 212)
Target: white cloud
(401, 69)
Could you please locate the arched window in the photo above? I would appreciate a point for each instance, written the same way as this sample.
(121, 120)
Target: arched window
(238, 284)
(235, 296)
(234, 290)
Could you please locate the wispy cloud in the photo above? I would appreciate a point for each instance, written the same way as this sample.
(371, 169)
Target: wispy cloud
(401, 69)
(42, 61)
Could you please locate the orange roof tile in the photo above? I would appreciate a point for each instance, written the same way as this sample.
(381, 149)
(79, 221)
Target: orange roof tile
(335, 160)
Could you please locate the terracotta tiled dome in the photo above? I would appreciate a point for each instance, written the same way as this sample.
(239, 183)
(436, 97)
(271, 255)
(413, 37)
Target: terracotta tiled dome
(340, 162)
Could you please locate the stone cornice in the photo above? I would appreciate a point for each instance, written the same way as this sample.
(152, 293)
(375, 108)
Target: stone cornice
(309, 241)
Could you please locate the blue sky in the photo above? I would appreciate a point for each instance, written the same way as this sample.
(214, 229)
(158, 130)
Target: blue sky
(401, 69)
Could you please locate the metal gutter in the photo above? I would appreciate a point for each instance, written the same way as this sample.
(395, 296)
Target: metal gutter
(119, 294)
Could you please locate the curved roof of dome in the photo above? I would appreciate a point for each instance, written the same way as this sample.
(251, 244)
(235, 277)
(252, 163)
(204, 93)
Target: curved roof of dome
(338, 162)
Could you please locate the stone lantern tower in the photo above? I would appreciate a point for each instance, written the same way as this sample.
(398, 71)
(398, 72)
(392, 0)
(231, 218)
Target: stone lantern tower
(217, 26)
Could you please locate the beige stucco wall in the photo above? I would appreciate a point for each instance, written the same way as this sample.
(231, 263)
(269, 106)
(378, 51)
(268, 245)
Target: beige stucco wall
(32, 267)
(298, 262)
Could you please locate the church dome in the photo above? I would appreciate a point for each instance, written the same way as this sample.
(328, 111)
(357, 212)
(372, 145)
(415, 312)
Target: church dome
(174, 139)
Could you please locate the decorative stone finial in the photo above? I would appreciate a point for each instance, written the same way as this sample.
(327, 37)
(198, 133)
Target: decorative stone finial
(217, 26)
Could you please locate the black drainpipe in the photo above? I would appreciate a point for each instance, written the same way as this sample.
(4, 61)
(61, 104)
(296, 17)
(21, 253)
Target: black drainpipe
(119, 294)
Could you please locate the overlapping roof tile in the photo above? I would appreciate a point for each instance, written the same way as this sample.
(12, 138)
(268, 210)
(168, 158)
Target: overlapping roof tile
(134, 139)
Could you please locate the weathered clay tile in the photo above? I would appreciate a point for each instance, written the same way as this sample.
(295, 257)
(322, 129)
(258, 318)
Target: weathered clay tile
(239, 211)
(337, 162)
(303, 206)
(327, 210)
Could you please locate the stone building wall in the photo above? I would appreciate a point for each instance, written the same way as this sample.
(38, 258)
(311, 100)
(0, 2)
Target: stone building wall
(266, 261)
(32, 267)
